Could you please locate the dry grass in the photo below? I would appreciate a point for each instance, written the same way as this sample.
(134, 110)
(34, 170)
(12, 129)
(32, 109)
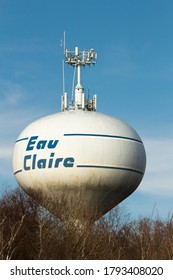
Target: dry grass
(28, 231)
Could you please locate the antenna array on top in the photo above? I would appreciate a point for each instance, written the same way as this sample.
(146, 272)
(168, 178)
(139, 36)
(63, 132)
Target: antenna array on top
(76, 58)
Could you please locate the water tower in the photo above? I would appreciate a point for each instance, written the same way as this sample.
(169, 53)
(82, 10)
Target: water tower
(79, 160)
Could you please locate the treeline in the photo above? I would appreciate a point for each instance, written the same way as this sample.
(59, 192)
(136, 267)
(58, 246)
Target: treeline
(29, 232)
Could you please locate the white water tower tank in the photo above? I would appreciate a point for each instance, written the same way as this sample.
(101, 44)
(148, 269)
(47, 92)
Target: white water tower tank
(78, 158)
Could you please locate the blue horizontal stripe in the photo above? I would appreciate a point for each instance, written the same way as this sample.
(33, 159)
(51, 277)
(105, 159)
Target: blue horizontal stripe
(22, 139)
(102, 135)
(109, 167)
(18, 171)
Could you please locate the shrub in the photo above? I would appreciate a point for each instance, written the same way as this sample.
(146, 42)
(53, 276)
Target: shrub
(28, 231)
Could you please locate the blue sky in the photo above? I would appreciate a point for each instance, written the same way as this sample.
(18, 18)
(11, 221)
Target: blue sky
(133, 77)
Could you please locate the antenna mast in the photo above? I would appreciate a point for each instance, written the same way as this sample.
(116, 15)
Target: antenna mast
(79, 59)
(63, 68)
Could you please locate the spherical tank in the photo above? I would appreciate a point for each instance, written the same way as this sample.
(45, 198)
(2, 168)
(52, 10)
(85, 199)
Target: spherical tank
(84, 156)
(79, 163)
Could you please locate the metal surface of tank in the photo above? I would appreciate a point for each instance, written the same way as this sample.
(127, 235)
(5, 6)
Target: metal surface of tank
(78, 156)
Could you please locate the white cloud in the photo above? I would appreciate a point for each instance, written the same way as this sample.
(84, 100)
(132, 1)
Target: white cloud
(12, 92)
(14, 117)
(158, 179)
(5, 152)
